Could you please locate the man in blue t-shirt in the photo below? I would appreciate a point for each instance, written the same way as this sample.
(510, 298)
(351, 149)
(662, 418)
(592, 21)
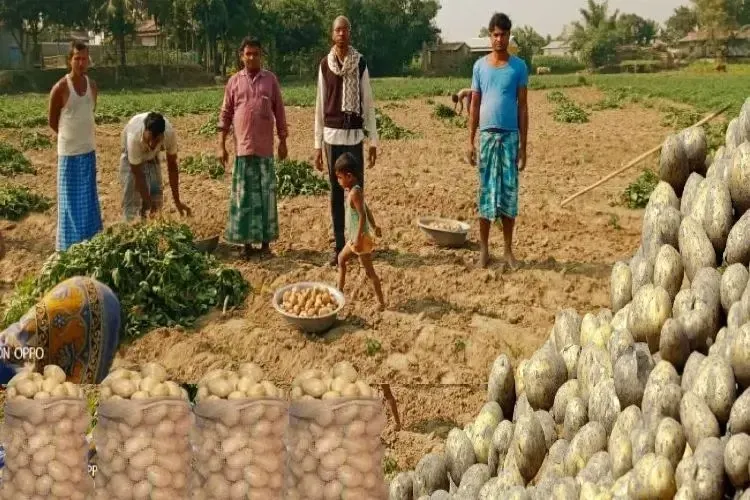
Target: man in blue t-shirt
(499, 111)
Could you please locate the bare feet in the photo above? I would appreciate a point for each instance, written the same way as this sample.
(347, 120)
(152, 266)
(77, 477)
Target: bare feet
(511, 261)
(484, 258)
(247, 252)
(381, 306)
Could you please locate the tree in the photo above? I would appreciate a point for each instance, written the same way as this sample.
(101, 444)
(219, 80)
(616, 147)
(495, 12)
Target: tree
(683, 21)
(118, 18)
(484, 32)
(300, 33)
(739, 12)
(24, 19)
(530, 43)
(713, 17)
(596, 37)
(635, 30)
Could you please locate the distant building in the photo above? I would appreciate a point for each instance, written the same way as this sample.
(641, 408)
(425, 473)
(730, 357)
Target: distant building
(147, 34)
(559, 48)
(10, 54)
(445, 58)
(696, 44)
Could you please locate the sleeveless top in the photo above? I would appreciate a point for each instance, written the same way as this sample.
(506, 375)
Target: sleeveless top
(76, 130)
(352, 218)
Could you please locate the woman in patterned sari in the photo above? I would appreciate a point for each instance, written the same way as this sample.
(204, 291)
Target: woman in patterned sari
(76, 325)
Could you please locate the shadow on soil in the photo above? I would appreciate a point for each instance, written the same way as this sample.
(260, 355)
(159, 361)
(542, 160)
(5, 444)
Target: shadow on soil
(440, 427)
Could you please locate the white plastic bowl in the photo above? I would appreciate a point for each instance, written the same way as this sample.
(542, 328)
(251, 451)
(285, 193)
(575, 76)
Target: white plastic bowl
(309, 325)
(442, 237)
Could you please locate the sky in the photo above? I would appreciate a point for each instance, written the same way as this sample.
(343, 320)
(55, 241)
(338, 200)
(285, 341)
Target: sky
(460, 20)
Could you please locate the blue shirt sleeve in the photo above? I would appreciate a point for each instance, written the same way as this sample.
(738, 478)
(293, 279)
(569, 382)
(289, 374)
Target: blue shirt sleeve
(523, 74)
(475, 84)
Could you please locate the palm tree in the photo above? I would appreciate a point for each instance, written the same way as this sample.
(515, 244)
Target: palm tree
(595, 17)
(119, 18)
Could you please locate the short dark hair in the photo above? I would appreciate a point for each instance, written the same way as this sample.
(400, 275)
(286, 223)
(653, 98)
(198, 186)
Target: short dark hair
(346, 164)
(77, 46)
(454, 97)
(500, 20)
(250, 41)
(155, 123)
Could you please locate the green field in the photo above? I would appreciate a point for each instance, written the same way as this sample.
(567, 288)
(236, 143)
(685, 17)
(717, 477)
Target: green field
(704, 91)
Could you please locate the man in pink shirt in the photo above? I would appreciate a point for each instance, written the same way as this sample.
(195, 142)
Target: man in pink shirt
(252, 103)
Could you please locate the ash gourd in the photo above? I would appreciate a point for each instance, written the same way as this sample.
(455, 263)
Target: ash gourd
(649, 399)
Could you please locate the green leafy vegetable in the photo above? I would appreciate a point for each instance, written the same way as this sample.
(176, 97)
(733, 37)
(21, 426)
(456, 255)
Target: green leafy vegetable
(295, 178)
(637, 194)
(17, 201)
(13, 162)
(202, 164)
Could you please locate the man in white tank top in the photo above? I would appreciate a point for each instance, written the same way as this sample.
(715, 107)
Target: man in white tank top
(71, 115)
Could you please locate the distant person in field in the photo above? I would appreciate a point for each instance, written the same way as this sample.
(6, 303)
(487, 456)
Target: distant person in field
(145, 135)
(500, 112)
(344, 115)
(252, 103)
(459, 99)
(360, 225)
(71, 116)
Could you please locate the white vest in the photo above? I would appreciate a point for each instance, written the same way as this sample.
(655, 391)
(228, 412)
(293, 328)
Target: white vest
(76, 130)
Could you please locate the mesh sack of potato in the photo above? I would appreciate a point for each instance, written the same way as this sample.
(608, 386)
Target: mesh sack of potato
(45, 438)
(333, 439)
(238, 436)
(142, 436)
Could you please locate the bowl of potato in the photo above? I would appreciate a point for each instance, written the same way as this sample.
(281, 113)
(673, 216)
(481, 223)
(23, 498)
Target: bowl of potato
(310, 306)
(444, 232)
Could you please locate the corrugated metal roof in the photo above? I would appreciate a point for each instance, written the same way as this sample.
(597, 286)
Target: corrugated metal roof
(557, 44)
(450, 46)
(479, 43)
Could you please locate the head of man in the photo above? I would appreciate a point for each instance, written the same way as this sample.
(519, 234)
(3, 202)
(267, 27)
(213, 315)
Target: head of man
(342, 32)
(251, 54)
(499, 29)
(153, 129)
(78, 57)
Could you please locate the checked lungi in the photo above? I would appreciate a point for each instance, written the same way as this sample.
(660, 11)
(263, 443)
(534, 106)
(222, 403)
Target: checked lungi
(498, 174)
(78, 213)
(253, 215)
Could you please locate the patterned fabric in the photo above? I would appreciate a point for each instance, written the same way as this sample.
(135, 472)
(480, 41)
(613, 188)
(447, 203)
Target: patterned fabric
(253, 216)
(77, 324)
(349, 71)
(78, 214)
(132, 203)
(498, 175)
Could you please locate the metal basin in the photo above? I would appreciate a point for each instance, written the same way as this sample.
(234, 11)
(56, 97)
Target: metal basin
(309, 325)
(208, 245)
(444, 237)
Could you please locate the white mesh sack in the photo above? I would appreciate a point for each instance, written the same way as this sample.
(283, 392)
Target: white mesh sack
(44, 435)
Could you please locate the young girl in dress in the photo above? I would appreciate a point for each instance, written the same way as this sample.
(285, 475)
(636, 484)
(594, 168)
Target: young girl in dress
(359, 224)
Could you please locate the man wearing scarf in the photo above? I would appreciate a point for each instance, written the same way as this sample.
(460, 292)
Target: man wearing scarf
(344, 115)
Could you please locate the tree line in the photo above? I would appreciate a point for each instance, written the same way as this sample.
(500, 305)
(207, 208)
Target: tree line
(295, 33)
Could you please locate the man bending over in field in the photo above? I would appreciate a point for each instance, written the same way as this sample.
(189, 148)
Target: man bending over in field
(498, 109)
(464, 95)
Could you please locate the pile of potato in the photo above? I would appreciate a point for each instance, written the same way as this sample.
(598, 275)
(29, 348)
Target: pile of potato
(309, 302)
(448, 226)
(45, 437)
(142, 436)
(333, 444)
(239, 436)
(649, 399)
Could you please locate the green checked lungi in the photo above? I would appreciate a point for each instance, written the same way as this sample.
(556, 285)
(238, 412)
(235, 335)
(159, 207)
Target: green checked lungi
(498, 174)
(253, 216)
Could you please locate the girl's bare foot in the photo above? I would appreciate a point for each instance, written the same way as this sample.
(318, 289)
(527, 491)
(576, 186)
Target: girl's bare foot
(484, 258)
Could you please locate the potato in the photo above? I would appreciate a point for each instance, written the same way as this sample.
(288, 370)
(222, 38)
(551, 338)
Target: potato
(718, 216)
(620, 319)
(597, 469)
(739, 181)
(661, 226)
(738, 242)
(576, 416)
(674, 346)
(703, 473)
(642, 440)
(668, 270)
(661, 401)
(739, 355)
(501, 385)
(545, 373)
(619, 342)
(501, 440)
(664, 195)
(733, 137)
(528, 446)
(604, 405)
(670, 441)
(697, 318)
(522, 407)
(662, 374)
(650, 309)
(715, 385)
(402, 486)
(642, 271)
(620, 286)
(570, 356)
(474, 478)
(591, 439)
(631, 373)
(568, 390)
(619, 444)
(594, 365)
(430, 475)
(480, 433)
(691, 370)
(739, 417)
(459, 454)
(698, 420)
(737, 460)
(566, 330)
(674, 166)
(689, 193)
(696, 249)
(696, 148)
(653, 478)
(518, 377)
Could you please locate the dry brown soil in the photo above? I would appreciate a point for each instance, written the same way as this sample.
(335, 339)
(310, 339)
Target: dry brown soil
(446, 320)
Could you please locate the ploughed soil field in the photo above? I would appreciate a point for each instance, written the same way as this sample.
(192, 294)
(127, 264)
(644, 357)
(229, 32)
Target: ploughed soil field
(446, 319)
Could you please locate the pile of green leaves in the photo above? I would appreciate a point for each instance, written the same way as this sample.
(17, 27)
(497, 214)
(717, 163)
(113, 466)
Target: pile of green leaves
(570, 112)
(442, 111)
(556, 97)
(387, 128)
(13, 162)
(202, 164)
(34, 140)
(295, 178)
(17, 201)
(637, 194)
(159, 276)
(210, 127)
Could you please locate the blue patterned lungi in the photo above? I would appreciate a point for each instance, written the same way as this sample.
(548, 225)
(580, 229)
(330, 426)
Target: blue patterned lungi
(78, 214)
(498, 174)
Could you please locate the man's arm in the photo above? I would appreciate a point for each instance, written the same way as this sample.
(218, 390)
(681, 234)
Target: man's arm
(474, 116)
(174, 177)
(523, 117)
(368, 105)
(279, 111)
(94, 91)
(226, 114)
(56, 103)
(319, 112)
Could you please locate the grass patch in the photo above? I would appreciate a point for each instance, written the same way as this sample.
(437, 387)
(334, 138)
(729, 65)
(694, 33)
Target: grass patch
(637, 194)
(388, 129)
(13, 162)
(566, 111)
(18, 201)
(442, 112)
(372, 346)
(298, 178)
(210, 127)
(202, 164)
(35, 141)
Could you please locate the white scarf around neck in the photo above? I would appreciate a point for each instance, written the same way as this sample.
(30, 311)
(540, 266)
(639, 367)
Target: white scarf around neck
(349, 71)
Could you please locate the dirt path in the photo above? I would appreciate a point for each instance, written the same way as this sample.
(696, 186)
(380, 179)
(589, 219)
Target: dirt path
(447, 320)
